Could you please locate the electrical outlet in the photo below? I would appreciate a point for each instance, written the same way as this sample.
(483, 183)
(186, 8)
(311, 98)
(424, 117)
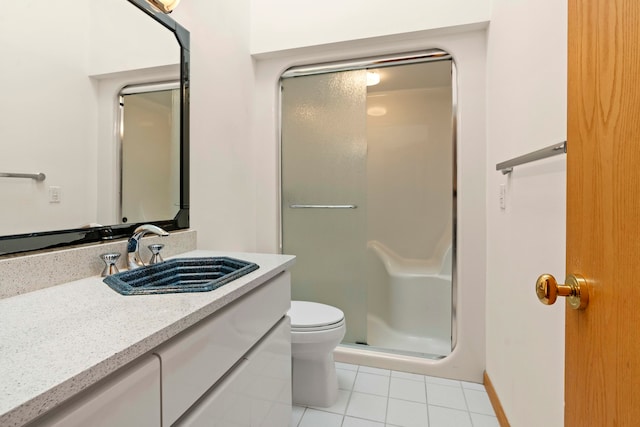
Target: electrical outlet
(54, 194)
(503, 196)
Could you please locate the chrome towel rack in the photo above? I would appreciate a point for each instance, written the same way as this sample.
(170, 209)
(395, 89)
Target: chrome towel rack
(550, 151)
(36, 176)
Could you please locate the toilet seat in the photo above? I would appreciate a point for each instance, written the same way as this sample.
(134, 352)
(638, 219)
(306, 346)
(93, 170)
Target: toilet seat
(312, 316)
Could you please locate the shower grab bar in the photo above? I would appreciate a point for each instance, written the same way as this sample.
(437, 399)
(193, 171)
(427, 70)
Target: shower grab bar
(36, 176)
(552, 150)
(323, 206)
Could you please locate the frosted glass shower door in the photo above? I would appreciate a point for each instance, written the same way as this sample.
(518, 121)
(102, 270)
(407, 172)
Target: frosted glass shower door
(324, 181)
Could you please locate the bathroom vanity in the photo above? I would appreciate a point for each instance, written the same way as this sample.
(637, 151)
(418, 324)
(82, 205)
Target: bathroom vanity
(81, 354)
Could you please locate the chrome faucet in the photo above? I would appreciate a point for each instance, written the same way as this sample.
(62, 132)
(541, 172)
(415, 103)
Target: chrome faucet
(133, 246)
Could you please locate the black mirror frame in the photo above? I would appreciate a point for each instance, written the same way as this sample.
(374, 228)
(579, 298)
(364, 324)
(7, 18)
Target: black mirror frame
(47, 240)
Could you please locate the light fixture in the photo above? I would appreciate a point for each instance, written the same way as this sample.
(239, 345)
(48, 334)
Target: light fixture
(164, 6)
(373, 78)
(376, 111)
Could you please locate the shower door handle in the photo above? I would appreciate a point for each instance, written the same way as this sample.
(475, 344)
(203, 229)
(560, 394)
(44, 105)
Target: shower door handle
(323, 206)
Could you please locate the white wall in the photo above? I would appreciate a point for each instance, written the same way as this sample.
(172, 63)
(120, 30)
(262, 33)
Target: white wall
(125, 38)
(286, 24)
(40, 70)
(222, 156)
(526, 111)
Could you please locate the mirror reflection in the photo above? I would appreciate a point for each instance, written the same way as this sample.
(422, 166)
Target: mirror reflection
(60, 115)
(150, 140)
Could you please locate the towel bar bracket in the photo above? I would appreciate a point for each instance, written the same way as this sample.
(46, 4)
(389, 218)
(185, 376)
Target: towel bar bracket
(552, 150)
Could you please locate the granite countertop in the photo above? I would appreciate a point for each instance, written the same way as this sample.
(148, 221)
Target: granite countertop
(58, 341)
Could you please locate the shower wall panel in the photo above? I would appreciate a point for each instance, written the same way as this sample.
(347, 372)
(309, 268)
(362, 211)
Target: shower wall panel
(410, 171)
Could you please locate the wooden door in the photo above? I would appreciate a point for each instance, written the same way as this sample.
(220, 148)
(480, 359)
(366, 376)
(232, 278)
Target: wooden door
(602, 378)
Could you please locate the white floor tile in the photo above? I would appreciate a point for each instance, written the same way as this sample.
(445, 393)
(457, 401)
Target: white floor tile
(367, 406)
(480, 420)
(407, 376)
(407, 414)
(442, 381)
(314, 418)
(296, 415)
(369, 397)
(446, 417)
(341, 404)
(372, 384)
(346, 366)
(358, 422)
(377, 371)
(478, 402)
(408, 390)
(473, 386)
(346, 379)
(449, 397)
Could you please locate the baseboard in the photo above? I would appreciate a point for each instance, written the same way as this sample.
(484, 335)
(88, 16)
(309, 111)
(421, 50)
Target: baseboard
(495, 402)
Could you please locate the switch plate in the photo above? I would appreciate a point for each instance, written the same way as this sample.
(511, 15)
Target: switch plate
(54, 194)
(503, 196)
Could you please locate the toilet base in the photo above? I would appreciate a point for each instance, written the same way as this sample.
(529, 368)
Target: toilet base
(315, 382)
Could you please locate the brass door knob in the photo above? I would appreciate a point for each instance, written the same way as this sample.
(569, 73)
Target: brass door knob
(576, 290)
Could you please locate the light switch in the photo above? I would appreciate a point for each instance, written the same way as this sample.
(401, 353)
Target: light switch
(54, 194)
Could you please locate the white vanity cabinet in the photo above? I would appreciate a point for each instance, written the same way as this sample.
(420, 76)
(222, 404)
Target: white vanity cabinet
(233, 359)
(130, 397)
(231, 368)
(93, 357)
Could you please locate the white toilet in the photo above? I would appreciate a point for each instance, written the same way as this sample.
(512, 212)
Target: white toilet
(316, 330)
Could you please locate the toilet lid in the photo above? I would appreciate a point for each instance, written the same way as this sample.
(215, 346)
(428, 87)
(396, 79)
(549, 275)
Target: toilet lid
(313, 315)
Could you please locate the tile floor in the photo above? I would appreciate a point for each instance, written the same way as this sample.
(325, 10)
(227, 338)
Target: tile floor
(372, 397)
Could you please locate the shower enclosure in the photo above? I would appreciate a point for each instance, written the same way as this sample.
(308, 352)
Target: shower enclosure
(368, 197)
(149, 125)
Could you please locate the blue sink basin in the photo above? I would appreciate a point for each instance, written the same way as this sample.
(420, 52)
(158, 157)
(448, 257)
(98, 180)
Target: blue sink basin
(180, 275)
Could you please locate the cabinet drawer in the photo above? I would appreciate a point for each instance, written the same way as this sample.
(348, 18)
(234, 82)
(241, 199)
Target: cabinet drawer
(269, 368)
(195, 360)
(127, 398)
(257, 391)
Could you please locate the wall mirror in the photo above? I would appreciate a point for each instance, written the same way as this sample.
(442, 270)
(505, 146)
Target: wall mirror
(62, 142)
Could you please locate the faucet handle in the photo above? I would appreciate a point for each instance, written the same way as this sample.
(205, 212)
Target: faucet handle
(155, 253)
(133, 246)
(110, 260)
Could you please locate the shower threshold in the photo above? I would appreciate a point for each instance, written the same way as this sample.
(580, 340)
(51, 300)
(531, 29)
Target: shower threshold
(377, 349)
